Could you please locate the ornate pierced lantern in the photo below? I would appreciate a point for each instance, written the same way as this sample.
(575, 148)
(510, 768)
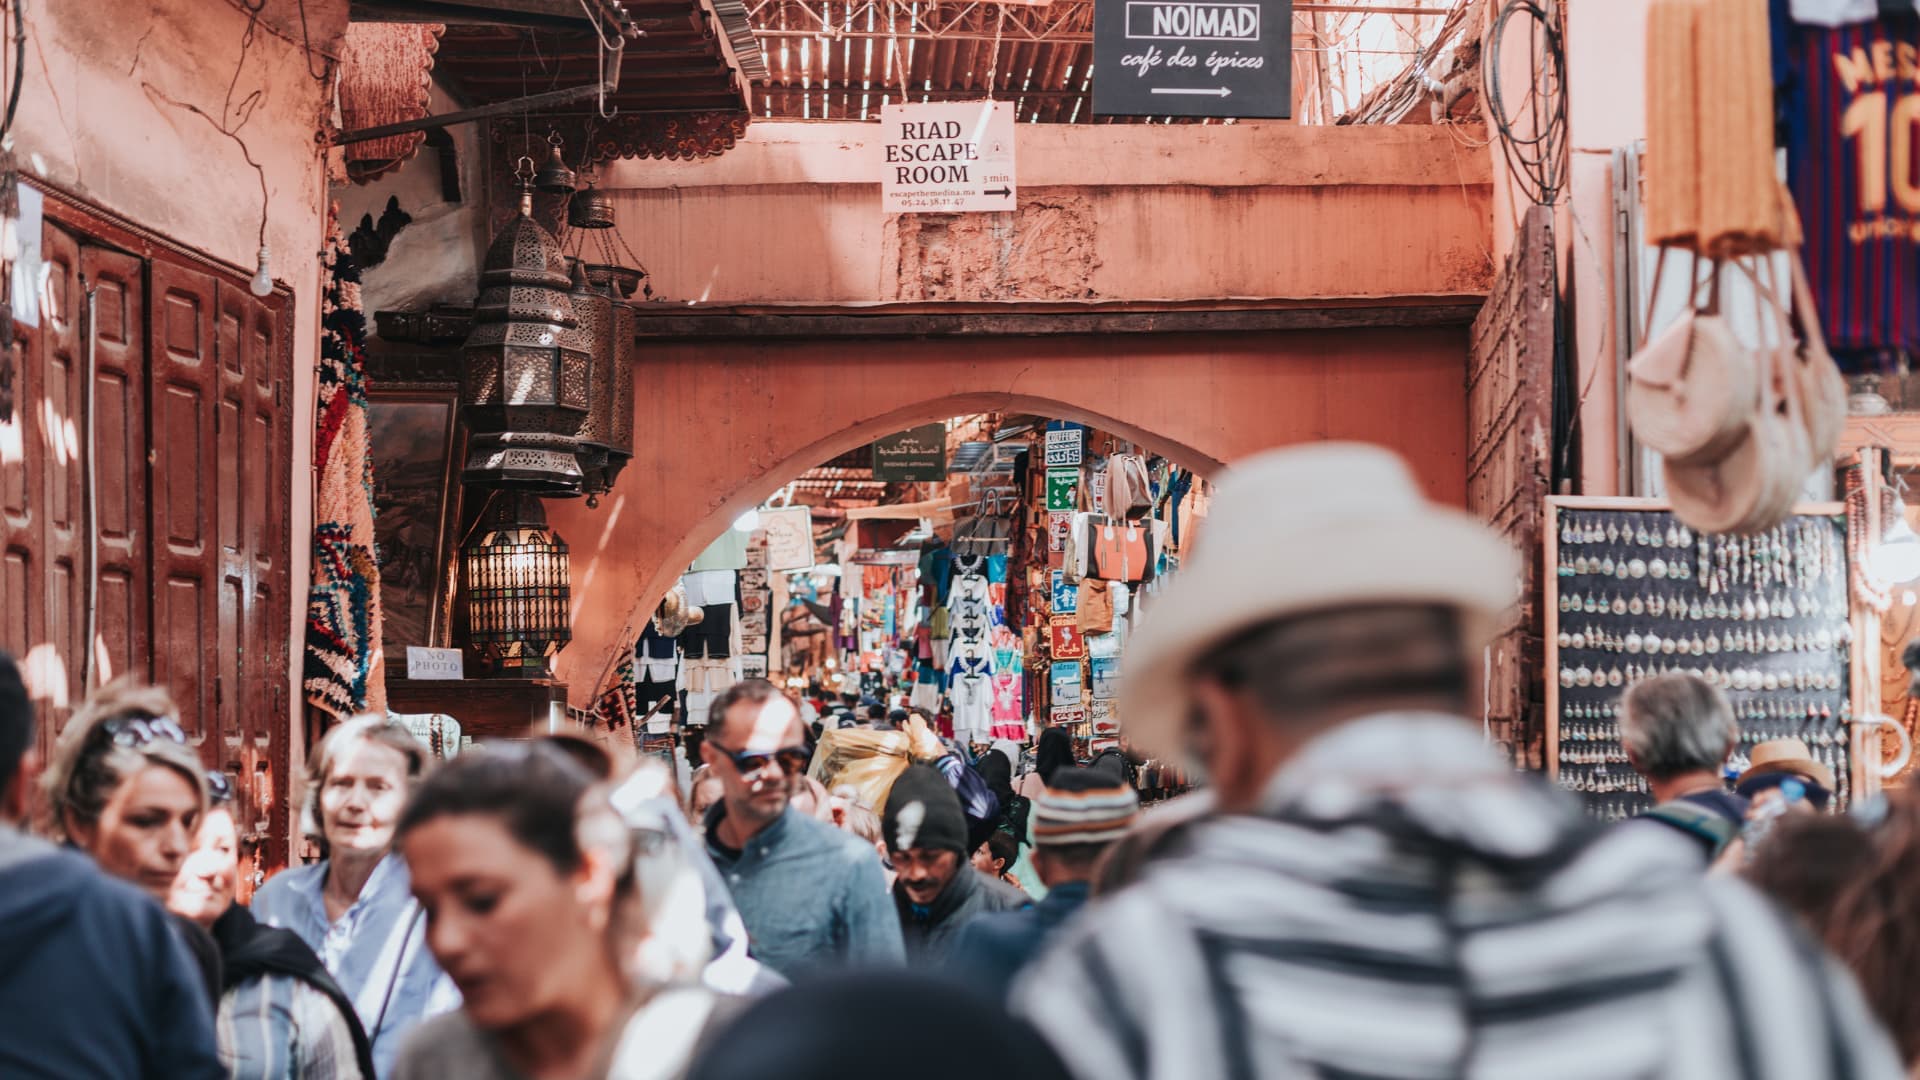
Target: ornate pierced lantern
(525, 386)
(517, 587)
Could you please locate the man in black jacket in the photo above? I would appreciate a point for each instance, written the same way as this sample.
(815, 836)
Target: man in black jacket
(937, 891)
(93, 981)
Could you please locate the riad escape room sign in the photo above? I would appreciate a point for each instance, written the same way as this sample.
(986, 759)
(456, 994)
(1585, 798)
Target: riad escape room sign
(947, 157)
(1193, 58)
(916, 455)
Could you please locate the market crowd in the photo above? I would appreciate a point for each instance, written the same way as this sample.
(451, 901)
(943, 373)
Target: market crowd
(1362, 888)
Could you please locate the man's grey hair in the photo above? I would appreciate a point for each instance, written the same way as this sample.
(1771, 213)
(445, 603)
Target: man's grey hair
(1677, 723)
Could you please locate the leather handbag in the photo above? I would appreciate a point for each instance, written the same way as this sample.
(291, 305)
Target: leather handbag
(1692, 389)
(1823, 390)
(1121, 551)
(1077, 559)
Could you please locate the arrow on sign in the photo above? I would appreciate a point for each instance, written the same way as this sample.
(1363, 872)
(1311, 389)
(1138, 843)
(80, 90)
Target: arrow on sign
(1220, 92)
(1005, 192)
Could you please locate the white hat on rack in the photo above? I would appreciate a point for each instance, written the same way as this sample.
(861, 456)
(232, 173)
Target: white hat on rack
(1300, 530)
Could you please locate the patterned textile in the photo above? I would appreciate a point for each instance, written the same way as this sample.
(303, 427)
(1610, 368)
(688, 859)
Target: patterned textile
(343, 672)
(386, 75)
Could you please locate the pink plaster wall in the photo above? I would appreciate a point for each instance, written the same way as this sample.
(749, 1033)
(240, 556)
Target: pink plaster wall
(793, 214)
(88, 124)
(724, 424)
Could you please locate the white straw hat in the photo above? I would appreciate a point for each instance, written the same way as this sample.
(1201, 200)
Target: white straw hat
(1312, 528)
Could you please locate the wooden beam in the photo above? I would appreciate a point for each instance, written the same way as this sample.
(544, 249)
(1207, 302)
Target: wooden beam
(1342, 315)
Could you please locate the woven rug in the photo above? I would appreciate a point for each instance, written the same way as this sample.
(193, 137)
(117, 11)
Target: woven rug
(343, 672)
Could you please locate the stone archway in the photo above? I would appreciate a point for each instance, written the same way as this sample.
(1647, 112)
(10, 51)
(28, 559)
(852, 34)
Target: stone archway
(721, 425)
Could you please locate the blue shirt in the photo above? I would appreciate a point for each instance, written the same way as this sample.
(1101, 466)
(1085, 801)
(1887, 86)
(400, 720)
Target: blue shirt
(382, 935)
(812, 896)
(992, 949)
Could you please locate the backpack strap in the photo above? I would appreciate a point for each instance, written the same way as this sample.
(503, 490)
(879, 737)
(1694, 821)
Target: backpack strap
(1698, 822)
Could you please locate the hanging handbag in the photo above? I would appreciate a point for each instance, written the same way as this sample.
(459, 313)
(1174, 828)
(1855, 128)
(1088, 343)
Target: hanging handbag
(1129, 487)
(1823, 390)
(1077, 561)
(1755, 486)
(1692, 389)
(1120, 552)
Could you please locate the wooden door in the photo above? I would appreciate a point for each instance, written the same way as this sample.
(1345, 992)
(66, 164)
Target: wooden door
(188, 636)
(119, 445)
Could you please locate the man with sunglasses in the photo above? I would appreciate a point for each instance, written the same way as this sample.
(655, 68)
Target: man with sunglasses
(812, 897)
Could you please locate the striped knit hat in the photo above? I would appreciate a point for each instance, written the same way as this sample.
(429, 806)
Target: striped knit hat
(1083, 806)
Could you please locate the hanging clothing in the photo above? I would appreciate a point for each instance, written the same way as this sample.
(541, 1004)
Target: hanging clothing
(1009, 706)
(970, 689)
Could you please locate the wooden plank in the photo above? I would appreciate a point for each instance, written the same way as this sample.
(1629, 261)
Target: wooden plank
(770, 325)
(119, 445)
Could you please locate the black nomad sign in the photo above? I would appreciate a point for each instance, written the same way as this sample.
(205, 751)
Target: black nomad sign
(1193, 58)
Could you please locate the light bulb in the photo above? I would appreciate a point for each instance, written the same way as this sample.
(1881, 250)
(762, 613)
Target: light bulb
(262, 283)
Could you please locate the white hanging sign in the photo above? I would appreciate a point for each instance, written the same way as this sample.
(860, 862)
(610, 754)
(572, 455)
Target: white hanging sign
(947, 157)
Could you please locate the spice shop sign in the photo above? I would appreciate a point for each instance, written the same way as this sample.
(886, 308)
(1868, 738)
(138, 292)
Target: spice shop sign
(1193, 58)
(947, 157)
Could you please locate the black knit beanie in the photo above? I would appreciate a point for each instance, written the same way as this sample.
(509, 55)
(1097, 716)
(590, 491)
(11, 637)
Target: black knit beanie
(924, 812)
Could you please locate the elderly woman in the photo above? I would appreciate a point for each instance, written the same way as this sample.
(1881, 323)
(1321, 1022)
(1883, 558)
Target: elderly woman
(281, 1016)
(536, 909)
(355, 908)
(125, 788)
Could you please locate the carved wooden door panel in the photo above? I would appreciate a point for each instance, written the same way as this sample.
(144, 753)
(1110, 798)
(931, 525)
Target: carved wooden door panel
(120, 460)
(62, 471)
(252, 442)
(188, 638)
(26, 443)
(1510, 418)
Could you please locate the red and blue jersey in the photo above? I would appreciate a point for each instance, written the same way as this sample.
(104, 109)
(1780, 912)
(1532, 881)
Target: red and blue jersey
(1850, 117)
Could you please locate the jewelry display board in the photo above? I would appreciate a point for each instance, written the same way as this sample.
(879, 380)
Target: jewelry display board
(1632, 592)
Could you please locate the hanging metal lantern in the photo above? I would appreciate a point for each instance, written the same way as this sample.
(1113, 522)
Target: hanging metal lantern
(518, 587)
(595, 314)
(554, 177)
(524, 387)
(591, 208)
(615, 437)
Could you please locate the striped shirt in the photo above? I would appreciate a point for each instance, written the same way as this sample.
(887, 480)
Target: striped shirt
(1408, 907)
(376, 951)
(278, 1028)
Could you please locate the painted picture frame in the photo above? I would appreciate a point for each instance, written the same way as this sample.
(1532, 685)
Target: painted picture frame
(413, 438)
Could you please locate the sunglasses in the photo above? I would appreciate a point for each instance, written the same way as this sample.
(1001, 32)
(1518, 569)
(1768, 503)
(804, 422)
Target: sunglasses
(793, 759)
(139, 730)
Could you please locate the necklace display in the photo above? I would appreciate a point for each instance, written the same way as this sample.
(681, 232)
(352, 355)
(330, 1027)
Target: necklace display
(1764, 618)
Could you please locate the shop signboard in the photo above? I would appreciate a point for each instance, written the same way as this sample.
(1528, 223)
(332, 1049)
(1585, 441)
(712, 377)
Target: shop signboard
(754, 643)
(946, 157)
(912, 456)
(753, 667)
(1064, 446)
(1097, 491)
(1066, 679)
(1063, 489)
(423, 663)
(789, 537)
(1101, 714)
(1066, 595)
(1106, 677)
(1067, 717)
(1059, 524)
(1067, 642)
(1193, 58)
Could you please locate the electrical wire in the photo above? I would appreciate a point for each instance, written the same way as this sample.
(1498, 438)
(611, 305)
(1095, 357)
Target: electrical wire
(1539, 158)
(19, 66)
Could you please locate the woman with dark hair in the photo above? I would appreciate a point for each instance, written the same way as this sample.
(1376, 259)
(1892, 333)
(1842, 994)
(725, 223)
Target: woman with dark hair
(281, 1016)
(1851, 880)
(527, 878)
(1054, 751)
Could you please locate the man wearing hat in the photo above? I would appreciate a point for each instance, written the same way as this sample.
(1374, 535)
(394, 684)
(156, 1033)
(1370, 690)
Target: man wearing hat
(937, 892)
(1778, 760)
(1378, 892)
(1080, 814)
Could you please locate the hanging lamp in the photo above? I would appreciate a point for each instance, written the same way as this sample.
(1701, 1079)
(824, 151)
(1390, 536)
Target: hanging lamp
(518, 587)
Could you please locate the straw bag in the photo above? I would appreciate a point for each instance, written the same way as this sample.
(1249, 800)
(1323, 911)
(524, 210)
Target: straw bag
(1692, 390)
(1823, 389)
(1754, 487)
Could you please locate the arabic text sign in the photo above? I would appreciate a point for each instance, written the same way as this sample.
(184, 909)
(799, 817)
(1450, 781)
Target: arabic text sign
(943, 157)
(1193, 58)
(916, 455)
